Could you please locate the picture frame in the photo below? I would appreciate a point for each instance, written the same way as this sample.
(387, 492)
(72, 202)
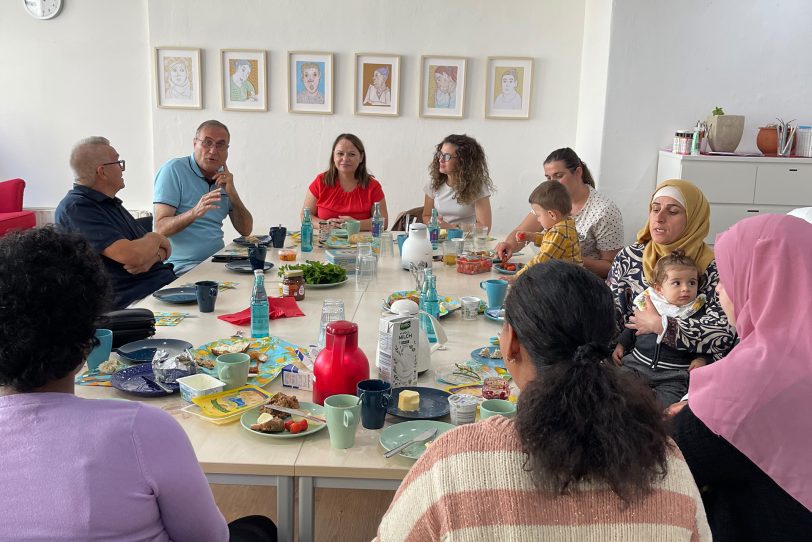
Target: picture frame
(442, 86)
(508, 87)
(178, 80)
(377, 84)
(243, 80)
(310, 82)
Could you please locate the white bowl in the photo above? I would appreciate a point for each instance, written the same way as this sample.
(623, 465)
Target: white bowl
(199, 384)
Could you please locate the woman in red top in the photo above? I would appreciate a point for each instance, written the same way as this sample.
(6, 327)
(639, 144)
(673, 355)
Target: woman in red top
(346, 189)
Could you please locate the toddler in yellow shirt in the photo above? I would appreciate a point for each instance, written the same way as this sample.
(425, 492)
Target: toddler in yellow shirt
(551, 204)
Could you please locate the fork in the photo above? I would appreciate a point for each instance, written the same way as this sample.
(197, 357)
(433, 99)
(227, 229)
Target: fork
(238, 334)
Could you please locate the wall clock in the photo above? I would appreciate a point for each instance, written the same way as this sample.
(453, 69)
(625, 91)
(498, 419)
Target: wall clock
(43, 9)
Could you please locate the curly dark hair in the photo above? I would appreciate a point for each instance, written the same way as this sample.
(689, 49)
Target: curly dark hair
(472, 169)
(361, 173)
(677, 258)
(571, 162)
(52, 289)
(581, 418)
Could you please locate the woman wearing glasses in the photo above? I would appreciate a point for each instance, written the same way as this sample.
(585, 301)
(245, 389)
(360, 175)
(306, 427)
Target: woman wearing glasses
(597, 218)
(346, 189)
(460, 187)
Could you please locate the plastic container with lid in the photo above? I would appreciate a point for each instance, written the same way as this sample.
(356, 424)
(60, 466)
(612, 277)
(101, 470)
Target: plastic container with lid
(472, 264)
(293, 284)
(287, 254)
(803, 139)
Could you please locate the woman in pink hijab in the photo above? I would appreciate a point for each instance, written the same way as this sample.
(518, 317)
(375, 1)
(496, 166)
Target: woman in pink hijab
(747, 430)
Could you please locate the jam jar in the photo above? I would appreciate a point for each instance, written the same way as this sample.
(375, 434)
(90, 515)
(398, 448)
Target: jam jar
(293, 284)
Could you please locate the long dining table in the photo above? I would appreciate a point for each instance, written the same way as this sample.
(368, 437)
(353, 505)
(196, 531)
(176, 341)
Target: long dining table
(228, 454)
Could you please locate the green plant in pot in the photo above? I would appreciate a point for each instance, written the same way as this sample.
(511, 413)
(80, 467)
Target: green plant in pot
(724, 131)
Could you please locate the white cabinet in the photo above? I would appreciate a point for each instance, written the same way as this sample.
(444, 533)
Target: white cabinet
(741, 186)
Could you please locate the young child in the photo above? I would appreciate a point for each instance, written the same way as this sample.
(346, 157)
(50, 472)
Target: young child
(552, 205)
(665, 368)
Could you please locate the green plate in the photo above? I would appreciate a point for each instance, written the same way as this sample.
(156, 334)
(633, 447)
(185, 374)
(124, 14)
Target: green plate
(395, 435)
(250, 417)
(326, 285)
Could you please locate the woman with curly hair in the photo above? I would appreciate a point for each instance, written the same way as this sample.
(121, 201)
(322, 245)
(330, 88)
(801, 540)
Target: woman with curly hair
(79, 469)
(586, 457)
(460, 187)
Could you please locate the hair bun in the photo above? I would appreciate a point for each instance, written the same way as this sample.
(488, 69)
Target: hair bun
(678, 253)
(590, 353)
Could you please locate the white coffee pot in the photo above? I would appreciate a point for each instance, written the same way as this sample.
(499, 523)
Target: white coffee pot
(416, 248)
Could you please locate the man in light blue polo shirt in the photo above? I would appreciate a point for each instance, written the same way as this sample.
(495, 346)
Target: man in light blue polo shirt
(194, 194)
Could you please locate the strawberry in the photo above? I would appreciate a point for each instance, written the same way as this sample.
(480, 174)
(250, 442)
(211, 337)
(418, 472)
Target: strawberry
(295, 428)
(303, 424)
(288, 423)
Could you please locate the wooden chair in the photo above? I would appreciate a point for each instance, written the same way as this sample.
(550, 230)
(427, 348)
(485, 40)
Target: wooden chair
(400, 222)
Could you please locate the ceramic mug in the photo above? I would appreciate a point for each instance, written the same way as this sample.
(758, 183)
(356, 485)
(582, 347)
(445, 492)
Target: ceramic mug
(402, 239)
(100, 352)
(376, 396)
(352, 226)
(233, 369)
(496, 407)
(343, 413)
(496, 289)
(277, 234)
(206, 292)
(256, 257)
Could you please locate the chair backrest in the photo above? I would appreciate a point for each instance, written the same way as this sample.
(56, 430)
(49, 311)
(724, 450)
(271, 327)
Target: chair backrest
(146, 222)
(11, 196)
(400, 222)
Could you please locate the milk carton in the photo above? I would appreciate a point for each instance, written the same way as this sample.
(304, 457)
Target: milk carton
(396, 356)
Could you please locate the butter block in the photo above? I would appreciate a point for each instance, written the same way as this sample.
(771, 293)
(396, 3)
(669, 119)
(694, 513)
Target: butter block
(409, 400)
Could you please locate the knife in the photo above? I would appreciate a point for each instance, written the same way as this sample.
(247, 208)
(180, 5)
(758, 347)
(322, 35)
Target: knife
(295, 412)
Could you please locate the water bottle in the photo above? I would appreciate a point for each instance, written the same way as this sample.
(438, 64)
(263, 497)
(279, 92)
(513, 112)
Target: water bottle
(434, 229)
(307, 232)
(377, 227)
(425, 323)
(259, 307)
(432, 304)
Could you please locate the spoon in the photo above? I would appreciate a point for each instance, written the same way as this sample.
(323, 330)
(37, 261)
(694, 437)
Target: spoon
(422, 437)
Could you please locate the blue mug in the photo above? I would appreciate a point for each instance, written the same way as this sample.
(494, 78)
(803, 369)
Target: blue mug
(376, 395)
(256, 257)
(402, 239)
(496, 290)
(100, 352)
(206, 292)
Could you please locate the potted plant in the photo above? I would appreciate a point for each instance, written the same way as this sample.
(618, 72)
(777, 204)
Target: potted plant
(724, 131)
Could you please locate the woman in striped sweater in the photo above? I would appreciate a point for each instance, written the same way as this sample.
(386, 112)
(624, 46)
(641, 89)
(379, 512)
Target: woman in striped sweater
(587, 457)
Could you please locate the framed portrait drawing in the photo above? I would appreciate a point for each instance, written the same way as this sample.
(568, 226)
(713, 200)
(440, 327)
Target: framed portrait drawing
(377, 84)
(442, 86)
(508, 87)
(178, 82)
(310, 82)
(243, 80)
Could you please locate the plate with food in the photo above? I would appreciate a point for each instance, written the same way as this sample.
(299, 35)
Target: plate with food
(144, 350)
(395, 435)
(140, 380)
(267, 422)
(318, 274)
(177, 296)
(268, 356)
(418, 403)
(489, 355)
(244, 266)
(447, 304)
(253, 240)
(509, 268)
(327, 285)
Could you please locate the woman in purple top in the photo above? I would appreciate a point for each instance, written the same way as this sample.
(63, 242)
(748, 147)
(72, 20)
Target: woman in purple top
(79, 469)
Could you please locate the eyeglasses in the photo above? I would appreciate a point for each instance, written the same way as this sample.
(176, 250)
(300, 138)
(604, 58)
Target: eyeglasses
(209, 143)
(444, 156)
(119, 162)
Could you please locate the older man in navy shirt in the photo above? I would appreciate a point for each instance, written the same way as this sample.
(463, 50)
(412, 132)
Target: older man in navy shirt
(132, 256)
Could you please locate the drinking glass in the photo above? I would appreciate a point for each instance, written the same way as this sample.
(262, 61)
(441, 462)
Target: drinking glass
(331, 310)
(450, 253)
(386, 244)
(366, 271)
(364, 249)
(481, 237)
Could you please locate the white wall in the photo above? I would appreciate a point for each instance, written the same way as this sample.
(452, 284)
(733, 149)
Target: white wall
(670, 63)
(275, 155)
(84, 73)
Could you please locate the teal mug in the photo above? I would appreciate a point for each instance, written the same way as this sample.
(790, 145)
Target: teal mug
(343, 412)
(454, 233)
(233, 369)
(100, 352)
(352, 226)
(496, 407)
(496, 289)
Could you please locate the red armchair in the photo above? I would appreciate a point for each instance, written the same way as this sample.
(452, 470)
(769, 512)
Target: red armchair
(12, 216)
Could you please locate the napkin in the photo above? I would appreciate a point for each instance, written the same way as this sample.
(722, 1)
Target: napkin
(278, 307)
